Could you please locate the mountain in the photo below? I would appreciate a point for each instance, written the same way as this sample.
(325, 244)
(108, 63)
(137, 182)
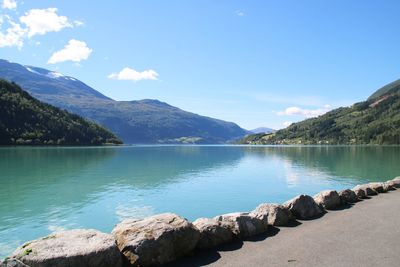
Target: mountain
(143, 121)
(262, 130)
(374, 121)
(392, 87)
(27, 121)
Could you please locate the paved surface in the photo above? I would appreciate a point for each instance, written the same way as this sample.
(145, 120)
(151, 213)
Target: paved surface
(366, 234)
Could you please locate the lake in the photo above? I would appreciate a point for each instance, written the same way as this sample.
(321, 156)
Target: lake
(50, 189)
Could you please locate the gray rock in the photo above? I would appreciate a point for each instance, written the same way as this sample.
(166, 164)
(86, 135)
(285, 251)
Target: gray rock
(387, 186)
(155, 240)
(213, 232)
(272, 214)
(378, 187)
(360, 193)
(367, 190)
(245, 224)
(304, 207)
(12, 262)
(71, 248)
(395, 182)
(328, 199)
(396, 178)
(348, 196)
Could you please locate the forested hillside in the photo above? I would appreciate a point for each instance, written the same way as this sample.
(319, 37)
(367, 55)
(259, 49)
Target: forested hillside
(27, 121)
(375, 121)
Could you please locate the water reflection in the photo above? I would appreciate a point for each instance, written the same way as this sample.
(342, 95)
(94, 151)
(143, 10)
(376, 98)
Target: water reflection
(70, 175)
(49, 189)
(361, 163)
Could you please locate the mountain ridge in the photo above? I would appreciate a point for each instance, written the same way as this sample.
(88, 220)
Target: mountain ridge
(392, 87)
(262, 130)
(374, 121)
(136, 121)
(27, 121)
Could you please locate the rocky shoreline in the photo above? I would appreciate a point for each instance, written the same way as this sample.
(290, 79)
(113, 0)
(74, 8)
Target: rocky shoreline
(163, 238)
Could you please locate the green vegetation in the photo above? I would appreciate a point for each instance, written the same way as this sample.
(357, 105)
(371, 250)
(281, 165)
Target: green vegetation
(26, 244)
(49, 237)
(392, 87)
(184, 140)
(27, 252)
(144, 121)
(375, 121)
(27, 121)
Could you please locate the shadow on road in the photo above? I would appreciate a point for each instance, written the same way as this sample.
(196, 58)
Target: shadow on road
(205, 257)
(202, 258)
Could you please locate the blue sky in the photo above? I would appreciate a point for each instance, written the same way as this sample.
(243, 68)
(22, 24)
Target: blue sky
(257, 63)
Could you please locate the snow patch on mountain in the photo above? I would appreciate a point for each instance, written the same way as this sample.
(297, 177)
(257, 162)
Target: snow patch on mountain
(32, 70)
(54, 75)
(50, 74)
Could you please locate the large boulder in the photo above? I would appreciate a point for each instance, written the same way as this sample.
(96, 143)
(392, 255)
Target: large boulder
(387, 186)
(396, 178)
(213, 232)
(244, 224)
(78, 248)
(328, 199)
(394, 183)
(348, 196)
(155, 240)
(368, 191)
(12, 262)
(272, 214)
(304, 207)
(360, 193)
(378, 187)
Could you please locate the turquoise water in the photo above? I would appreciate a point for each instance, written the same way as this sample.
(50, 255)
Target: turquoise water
(50, 189)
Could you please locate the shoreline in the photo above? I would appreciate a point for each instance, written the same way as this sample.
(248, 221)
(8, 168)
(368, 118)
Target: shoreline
(363, 234)
(128, 246)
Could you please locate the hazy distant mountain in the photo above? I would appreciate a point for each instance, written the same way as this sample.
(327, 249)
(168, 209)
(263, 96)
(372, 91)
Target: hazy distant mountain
(27, 121)
(375, 121)
(262, 130)
(143, 121)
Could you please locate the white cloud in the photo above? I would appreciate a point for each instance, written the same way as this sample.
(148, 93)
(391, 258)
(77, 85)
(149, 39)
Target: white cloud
(308, 113)
(287, 123)
(78, 23)
(75, 51)
(34, 22)
(13, 36)
(133, 75)
(9, 4)
(41, 21)
(240, 13)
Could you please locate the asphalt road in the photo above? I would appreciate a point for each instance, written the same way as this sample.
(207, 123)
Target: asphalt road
(366, 234)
